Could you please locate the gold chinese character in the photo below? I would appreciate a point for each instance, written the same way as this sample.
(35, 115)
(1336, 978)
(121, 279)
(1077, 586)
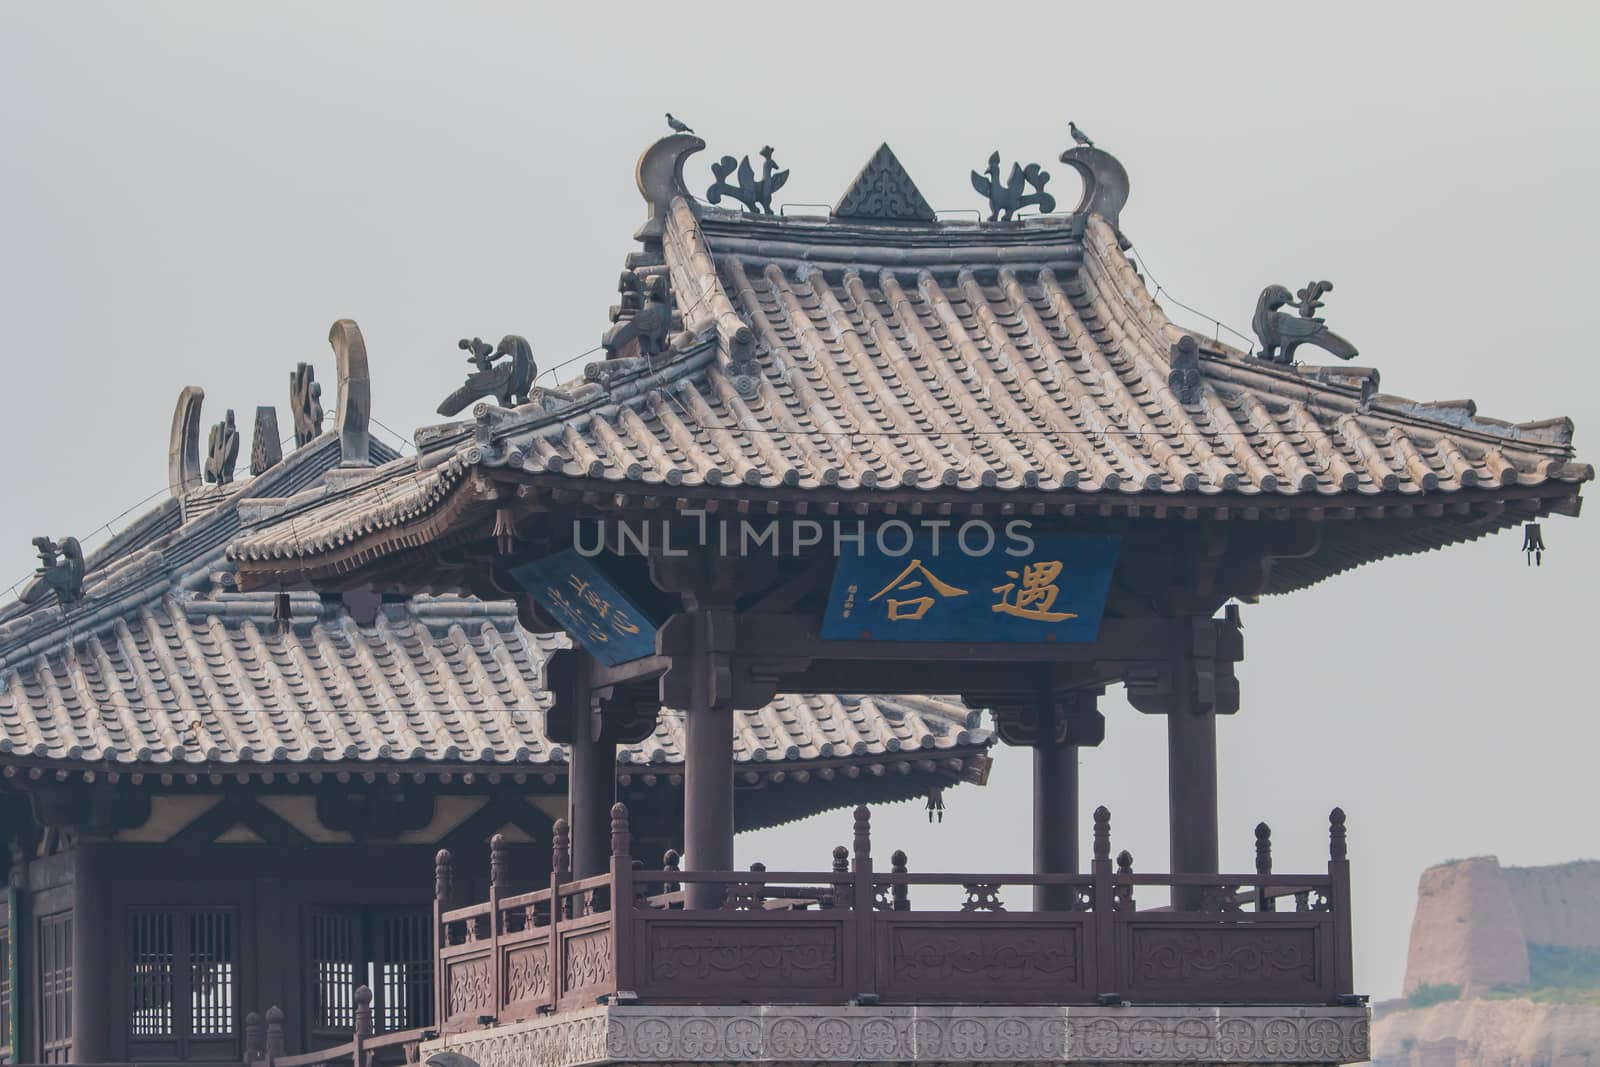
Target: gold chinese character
(1036, 595)
(575, 615)
(914, 607)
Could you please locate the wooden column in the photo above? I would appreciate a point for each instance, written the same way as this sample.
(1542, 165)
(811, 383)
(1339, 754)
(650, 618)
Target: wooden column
(1055, 821)
(1191, 686)
(592, 761)
(700, 642)
(1055, 724)
(1192, 789)
(591, 790)
(708, 766)
(92, 941)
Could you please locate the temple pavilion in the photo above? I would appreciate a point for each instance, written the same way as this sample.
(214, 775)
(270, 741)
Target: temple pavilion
(748, 495)
(873, 451)
(216, 803)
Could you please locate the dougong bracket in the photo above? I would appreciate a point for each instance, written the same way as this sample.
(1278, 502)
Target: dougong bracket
(754, 193)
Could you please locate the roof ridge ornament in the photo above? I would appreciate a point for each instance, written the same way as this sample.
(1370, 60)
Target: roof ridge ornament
(62, 568)
(754, 193)
(883, 192)
(659, 175)
(1281, 333)
(184, 472)
(1105, 181)
(305, 404)
(1006, 200)
(354, 411)
(508, 382)
(266, 447)
(644, 329)
(222, 450)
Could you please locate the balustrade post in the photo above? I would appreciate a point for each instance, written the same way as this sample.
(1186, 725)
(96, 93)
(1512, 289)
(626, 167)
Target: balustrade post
(1339, 904)
(621, 899)
(363, 1027)
(443, 889)
(1105, 932)
(900, 894)
(841, 887)
(861, 904)
(1124, 893)
(274, 1044)
(497, 888)
(560, 861)
(254, 1038)
(1264, 867)
(669, 862)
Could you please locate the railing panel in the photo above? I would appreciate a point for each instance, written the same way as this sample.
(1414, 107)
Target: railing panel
(797, 957)
(468, 981)
(1008, 958)
(525, 978)
(586, 960)
(1182, 957)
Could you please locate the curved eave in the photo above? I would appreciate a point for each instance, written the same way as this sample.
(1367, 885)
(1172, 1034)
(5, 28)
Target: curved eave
(1388, 521)
(920, 767)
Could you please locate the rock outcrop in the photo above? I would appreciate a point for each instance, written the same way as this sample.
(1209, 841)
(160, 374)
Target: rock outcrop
(1466, 931)
(1558, 905)
(1487, 1033)
(1484, 929)
(1476, 919)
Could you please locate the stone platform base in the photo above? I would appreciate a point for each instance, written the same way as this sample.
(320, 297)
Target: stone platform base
(791, 1034)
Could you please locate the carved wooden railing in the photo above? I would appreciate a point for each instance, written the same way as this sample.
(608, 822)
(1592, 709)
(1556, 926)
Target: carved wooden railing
(853, 934)
(264, 1042)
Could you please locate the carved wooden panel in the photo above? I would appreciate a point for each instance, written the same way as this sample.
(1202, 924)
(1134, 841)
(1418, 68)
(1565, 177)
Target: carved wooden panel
(526, 973)
(981, 962)
(1277, 962)
(586, 960)
(470, 990)
(747, 960)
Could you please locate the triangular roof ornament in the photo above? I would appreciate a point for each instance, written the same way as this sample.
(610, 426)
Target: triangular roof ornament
(883, 192)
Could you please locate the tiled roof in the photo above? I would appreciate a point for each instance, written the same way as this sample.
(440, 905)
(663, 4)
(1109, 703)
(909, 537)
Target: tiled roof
(835, 357)
(192, 681)
(164, 665)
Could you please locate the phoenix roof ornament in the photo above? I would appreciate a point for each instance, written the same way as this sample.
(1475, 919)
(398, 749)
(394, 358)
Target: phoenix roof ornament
(507, 382)
(754, 193)
(1281, 333)
(62, 568)
(1006, 200)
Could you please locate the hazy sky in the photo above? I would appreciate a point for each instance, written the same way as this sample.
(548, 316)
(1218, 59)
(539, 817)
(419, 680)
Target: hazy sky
(192, 193)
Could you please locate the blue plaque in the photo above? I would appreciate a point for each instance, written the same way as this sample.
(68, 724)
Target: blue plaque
(594, 612)
(1056, 591)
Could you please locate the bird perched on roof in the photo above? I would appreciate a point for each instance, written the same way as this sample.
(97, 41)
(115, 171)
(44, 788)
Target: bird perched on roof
(677, 125)
(1079, 136)
(1281, 333)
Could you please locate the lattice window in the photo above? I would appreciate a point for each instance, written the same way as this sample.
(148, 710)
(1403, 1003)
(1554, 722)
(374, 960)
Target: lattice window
(404, 968)
(183, 974)
(213, 972)
(334, 956)
(152, 952)
(55, 987)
